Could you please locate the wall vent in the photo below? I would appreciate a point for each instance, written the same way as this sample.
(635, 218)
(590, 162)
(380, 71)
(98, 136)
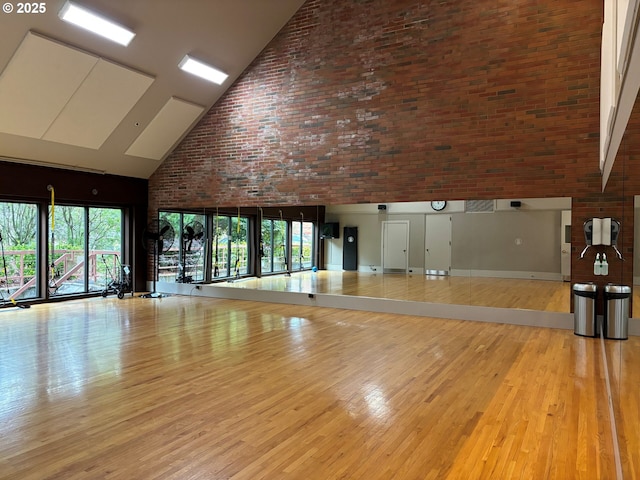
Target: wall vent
(479, 206)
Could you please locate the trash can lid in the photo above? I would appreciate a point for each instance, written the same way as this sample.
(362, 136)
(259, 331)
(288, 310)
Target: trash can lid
(617, 289)
(584, 287)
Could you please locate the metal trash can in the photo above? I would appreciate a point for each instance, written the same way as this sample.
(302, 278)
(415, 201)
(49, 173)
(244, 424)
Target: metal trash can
(584, 309)
(616, 312)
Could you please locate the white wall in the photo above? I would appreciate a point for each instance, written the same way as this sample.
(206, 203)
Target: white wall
(518, 243)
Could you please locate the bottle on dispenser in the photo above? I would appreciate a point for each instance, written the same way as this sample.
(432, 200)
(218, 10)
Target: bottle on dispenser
(597, 265)
(604, 266)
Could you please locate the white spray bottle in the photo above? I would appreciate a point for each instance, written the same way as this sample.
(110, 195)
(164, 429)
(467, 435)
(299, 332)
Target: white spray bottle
(604, 268)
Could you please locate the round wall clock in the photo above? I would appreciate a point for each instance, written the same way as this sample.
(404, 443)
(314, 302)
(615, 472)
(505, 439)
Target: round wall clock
(438, 205)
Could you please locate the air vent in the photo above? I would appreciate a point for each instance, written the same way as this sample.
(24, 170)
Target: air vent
(479, 206)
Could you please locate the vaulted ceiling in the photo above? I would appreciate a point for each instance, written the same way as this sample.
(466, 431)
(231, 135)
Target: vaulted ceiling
(71, 99)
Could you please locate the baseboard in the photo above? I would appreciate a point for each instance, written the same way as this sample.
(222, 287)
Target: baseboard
(508, 274)
(522, 317)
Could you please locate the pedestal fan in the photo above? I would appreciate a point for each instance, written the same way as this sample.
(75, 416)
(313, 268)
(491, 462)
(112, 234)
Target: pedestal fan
(193, 239)
(159, 236)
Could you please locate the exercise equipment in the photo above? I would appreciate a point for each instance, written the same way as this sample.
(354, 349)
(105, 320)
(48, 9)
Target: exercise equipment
(53, 287)
(120, 284)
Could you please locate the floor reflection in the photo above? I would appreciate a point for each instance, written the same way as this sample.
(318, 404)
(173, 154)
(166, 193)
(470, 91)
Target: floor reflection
(542, 295)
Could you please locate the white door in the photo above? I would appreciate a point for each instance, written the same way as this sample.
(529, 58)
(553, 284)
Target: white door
(565, 246)
(395, 246)
(437, 241)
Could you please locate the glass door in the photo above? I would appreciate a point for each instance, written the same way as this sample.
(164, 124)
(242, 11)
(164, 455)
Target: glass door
(105, 248)
(85, 246)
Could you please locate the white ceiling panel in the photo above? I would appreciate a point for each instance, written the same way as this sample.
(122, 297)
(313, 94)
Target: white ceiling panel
(46, 114)
(100, 104)
(38, 82)
(166, 128)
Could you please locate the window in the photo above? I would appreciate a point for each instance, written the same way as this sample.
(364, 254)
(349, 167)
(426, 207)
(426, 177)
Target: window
(273, 247)
(85, 248)
(230, 250)
(302, 245)
(220, 247)
(19, 264)
(184, 261)
(105, 247)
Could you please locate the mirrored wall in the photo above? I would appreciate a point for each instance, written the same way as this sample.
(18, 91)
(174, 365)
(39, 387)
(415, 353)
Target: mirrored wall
(509, 253)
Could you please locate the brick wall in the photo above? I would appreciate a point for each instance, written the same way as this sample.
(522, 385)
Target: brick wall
(378, 101)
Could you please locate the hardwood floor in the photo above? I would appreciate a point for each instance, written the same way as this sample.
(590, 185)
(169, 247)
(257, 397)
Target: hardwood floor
(623, 359)
(542, 295)
(201, 388)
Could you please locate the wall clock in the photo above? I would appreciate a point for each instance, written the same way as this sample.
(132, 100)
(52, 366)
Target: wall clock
(438, 205)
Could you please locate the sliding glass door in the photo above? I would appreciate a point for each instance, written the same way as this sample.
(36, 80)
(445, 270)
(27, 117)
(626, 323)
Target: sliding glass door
(105, 247)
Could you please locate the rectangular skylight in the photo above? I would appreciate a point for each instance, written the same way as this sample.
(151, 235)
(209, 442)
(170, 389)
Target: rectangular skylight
(202, 70)
(88, 20)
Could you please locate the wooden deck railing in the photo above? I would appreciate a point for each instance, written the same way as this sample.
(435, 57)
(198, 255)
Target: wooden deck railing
(67, 263)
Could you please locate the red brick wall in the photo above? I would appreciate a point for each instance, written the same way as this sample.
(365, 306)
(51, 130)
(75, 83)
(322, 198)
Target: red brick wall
(379, 101)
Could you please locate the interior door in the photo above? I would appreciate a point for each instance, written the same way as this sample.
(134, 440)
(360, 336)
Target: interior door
(437, 255)
(565, 246)
(395, 246)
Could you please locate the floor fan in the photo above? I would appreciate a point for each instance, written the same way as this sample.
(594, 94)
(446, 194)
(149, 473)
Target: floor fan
(193, 239)
(158, 235)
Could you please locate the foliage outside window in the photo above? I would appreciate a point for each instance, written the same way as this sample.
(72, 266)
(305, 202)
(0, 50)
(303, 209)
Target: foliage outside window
(273, 246)
(87, 247)
(83, 255)
(184, 262)
(302, 245)
(18, 227)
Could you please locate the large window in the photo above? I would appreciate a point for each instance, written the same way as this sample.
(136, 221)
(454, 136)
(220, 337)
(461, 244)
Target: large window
(273, 247)
(85, 247)
(105, 247)
(18, 264)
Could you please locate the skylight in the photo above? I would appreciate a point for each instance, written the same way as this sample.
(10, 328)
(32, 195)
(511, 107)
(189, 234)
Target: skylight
(88, 20)
(202, 70)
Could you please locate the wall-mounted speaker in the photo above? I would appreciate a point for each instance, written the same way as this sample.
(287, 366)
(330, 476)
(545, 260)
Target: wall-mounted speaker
(516, 203)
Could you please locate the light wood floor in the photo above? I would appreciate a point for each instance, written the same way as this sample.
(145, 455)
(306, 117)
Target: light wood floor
(624, 359)
(544, 295)
(201, 388)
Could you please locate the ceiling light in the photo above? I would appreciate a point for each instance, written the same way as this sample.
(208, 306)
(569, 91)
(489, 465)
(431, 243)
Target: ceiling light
(202, 70)
(88, 20)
